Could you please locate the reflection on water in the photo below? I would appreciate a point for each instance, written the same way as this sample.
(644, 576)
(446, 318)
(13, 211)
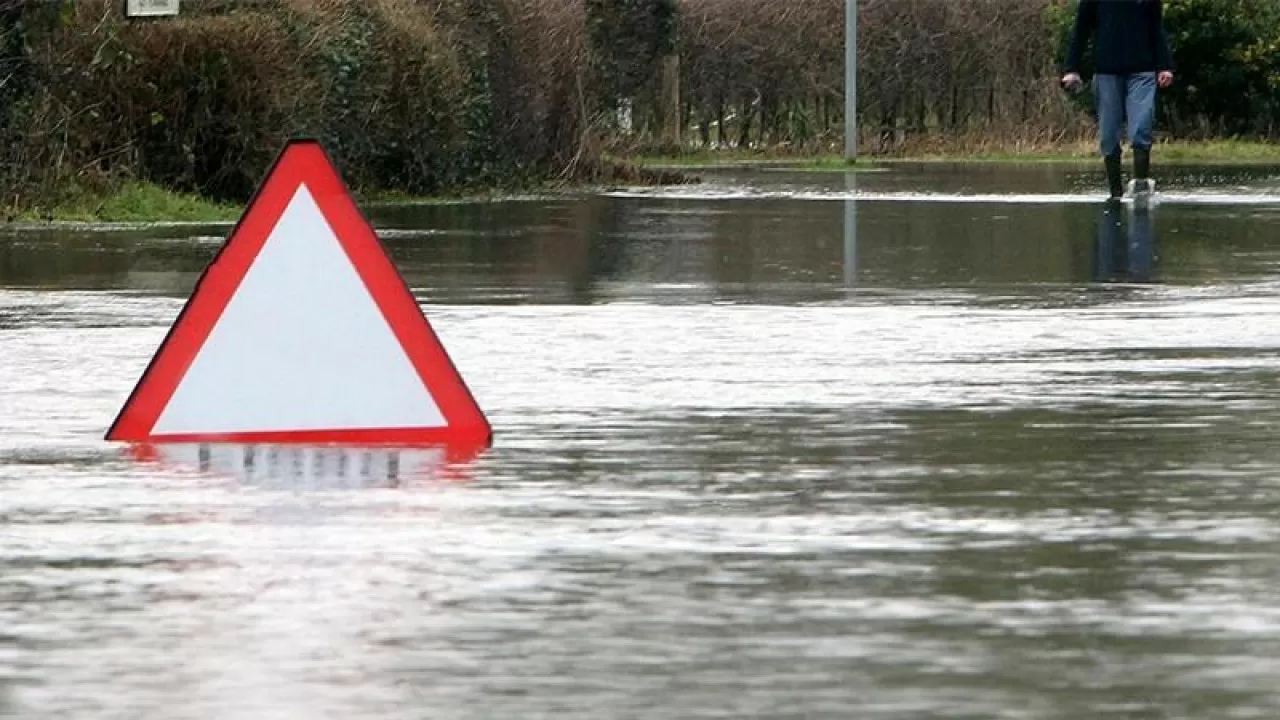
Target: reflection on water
(753, 457)
(690, 250)
(1126, 244)
(851, 231)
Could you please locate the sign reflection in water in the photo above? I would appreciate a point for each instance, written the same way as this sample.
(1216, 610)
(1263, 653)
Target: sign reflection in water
(304, 467)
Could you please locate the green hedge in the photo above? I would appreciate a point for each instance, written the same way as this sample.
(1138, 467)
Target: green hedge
(1227, 57)
(464, 96)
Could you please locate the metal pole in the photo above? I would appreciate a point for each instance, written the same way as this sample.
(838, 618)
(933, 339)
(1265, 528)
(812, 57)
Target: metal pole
(851, 80)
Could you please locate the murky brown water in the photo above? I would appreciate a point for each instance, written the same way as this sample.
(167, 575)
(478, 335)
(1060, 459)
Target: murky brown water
(962, 448)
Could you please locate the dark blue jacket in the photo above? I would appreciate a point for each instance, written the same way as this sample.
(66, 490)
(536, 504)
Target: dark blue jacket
(1129, 36)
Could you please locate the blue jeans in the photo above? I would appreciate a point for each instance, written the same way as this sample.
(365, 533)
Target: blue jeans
(1122, 98)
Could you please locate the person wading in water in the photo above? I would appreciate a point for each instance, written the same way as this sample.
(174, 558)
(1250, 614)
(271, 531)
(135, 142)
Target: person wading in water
(1132, 55)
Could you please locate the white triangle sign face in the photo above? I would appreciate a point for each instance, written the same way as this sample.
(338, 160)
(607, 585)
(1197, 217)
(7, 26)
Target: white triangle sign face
(304, 366)
(302, 330)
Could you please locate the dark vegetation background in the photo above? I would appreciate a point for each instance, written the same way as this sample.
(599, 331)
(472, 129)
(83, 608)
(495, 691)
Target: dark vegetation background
(437, 96)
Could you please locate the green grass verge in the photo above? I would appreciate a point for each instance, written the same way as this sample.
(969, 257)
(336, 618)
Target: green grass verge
(133, 202)
(140, 203)
(1212, 152)
(392, 198)
(1219, 151)
(748, 158)
(1173, 152)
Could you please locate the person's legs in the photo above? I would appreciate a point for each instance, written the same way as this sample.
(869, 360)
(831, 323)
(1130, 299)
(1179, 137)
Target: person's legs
(1109, 96)
(1140, 110)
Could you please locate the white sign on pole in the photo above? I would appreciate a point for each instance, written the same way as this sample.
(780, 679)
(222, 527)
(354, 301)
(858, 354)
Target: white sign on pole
(150, 8)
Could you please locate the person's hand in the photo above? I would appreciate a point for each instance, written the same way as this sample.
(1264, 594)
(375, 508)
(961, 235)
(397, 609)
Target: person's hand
(1164, 79)
(1071, 81)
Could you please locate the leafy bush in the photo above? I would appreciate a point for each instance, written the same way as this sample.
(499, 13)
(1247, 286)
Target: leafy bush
(418, 96)
(1227, 58)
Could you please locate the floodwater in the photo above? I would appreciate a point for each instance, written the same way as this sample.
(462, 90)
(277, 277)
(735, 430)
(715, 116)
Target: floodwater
(939, 442)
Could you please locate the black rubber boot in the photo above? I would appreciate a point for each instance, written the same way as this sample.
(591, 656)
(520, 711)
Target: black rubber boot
(1114, 182)
(1141, 164)
(1142, 183)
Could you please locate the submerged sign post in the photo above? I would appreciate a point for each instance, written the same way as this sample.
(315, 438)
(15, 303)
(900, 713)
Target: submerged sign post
(301, 330)
(150, 8)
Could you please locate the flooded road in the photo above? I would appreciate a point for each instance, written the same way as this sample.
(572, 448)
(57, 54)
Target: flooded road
(939, 442)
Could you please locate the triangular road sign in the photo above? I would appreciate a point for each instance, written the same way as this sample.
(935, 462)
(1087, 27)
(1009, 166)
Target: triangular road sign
(301, 330)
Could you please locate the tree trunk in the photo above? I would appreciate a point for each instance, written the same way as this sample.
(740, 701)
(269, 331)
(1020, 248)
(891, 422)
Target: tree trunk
(720, 120)
(744, 131)
(670, 100)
